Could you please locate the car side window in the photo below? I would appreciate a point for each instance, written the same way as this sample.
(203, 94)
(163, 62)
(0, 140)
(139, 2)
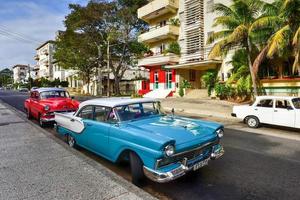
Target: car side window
(266, 103)
(284, 104)
(101, 113)
(86, 113)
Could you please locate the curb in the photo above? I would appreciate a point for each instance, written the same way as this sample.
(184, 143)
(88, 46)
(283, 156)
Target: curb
(112, 175)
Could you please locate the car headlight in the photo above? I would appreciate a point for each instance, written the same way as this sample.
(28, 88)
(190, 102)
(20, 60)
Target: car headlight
(169, 150)
(220, 132)
(47, 107)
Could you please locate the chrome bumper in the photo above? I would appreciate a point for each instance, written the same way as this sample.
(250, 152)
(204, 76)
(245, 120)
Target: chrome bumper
(48, 119)
(162, 177)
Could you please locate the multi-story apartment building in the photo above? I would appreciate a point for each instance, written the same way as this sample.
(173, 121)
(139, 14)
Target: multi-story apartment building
(44, 58)
(196, 18)
(19, 73)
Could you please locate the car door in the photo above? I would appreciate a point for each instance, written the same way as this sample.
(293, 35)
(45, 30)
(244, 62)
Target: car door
(264, 110)
(34, 104)
(98, 130)
(284, 113)
(85, 116)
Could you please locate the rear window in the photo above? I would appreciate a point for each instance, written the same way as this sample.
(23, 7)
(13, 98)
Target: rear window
(266, 103)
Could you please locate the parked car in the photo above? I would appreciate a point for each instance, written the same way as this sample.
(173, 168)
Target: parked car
(22, 89)
(159, 146)
(43, 102)
(282, 111)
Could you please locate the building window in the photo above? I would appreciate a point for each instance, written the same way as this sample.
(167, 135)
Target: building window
(155, 80)
(210, 6)
(162, 48)
(169, 77)
(162, 23)
(192, 75)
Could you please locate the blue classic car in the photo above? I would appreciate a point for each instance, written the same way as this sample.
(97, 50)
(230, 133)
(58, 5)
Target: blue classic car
(159, 146)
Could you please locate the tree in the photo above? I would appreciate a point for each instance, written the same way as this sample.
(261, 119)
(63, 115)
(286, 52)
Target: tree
(101, 34)
(236, 20)
(282, 19)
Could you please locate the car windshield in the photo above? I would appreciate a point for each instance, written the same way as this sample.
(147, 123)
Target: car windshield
(138, 110)
(54, 94)
(296, 103)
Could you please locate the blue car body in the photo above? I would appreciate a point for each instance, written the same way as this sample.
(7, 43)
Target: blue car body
(194, 141)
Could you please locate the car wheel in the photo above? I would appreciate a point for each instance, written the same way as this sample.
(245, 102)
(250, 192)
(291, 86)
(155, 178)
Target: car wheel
(41, 123)
(136, 166)
(71, 141)
(28, 114)
(252, 122)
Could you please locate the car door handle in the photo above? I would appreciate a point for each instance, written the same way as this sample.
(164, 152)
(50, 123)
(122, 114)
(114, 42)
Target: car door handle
(275, 110)
(72, 120)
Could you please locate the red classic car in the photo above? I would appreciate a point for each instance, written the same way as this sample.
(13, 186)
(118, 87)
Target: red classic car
(43, 102)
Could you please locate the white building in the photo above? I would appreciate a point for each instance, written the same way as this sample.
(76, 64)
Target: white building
(168, 70)
(44, 58)
(19, 73)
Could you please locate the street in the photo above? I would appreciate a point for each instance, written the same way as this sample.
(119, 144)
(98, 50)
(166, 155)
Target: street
(254, 167)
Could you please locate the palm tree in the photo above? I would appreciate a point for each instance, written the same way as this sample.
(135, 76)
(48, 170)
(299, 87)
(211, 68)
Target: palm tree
(282, 18)
(236, 20)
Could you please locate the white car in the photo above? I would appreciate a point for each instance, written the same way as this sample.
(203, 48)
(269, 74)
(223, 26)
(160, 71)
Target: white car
(276, 110)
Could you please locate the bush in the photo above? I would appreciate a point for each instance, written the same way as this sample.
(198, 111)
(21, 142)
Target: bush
(174, 47)
(181, 92)
(185, 84)
(210, 78)
(224, 91)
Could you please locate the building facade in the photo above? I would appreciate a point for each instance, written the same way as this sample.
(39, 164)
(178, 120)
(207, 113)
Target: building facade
(194, 25)
(19, 73)
(44, 58)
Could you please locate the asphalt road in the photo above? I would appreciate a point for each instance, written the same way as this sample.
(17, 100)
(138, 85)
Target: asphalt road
(253, 167)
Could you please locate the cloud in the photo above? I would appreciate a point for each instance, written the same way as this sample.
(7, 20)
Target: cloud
(33, 20)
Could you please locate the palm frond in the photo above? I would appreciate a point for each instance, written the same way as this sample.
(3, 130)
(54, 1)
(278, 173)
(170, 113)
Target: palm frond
(218, 35)
(217, 49)
(264, 22)
(279, 41)
(223, 10)
(226, 21)
(296, 39)
(239, 34)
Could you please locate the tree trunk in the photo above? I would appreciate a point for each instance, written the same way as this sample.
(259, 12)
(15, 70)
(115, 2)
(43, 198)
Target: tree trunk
(117, 86)
(88, 85)
(253, 76)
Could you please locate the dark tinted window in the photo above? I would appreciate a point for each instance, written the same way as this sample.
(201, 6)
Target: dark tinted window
(282, 104)
(267, 103)
(296, 103)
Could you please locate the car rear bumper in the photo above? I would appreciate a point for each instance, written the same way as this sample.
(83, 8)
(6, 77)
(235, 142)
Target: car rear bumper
(173, 174)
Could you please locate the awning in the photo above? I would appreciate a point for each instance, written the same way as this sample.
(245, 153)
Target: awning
(201, 65)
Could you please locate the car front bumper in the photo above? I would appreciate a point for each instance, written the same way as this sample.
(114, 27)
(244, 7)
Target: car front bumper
(162, 177)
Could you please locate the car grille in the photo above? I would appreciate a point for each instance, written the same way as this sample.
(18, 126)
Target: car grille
(203, 150)
(62, 111)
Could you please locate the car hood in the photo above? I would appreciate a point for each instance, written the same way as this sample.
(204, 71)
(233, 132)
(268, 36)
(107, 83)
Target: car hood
(60, 103)
(185, 132)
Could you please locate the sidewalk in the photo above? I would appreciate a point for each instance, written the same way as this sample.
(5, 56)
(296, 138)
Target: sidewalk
(36, 165)
(202, 107)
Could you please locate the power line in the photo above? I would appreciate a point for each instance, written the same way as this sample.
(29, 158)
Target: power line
(17, 36)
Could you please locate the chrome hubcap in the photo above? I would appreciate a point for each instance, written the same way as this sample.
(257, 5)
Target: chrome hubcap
(252, 122)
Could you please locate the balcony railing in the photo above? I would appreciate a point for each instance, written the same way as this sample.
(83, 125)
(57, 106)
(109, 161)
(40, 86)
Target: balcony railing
(157, 8)
(160, 33)
(159, 59)
(36, 57)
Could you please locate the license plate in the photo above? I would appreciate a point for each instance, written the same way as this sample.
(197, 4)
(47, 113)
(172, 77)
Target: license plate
(200, 164)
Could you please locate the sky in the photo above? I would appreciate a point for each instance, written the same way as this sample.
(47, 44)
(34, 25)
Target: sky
(25, 24)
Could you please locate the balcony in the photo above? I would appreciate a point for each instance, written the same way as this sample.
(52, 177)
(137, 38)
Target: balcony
(159, 33)
(36, 57)
(159, 59)
(157, 8)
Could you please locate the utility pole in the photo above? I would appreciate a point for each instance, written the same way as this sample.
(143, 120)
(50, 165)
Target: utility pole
(29, 76)
(108, 69)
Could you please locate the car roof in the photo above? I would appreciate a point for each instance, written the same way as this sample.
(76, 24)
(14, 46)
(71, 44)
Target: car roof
(46, 89)
(115, 101)
(275, 97)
